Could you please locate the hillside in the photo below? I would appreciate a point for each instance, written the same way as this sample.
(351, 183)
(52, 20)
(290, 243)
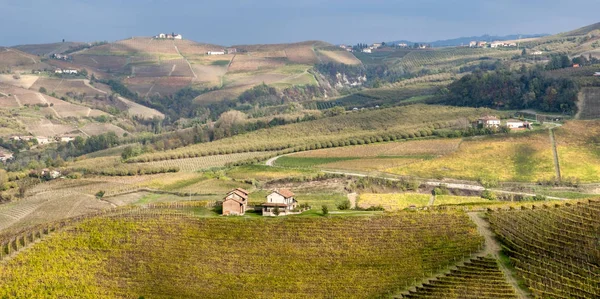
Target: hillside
(160, 253)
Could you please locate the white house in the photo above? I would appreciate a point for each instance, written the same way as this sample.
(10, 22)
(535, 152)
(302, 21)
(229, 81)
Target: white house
(597, 74)
(496, 44)
(42, 140)
(376, 45)
(5, 156)
(488, 122)
(473, 44)
(516, 124)
(215, 53)
(366, 50)
(537, 53)
(282, 199)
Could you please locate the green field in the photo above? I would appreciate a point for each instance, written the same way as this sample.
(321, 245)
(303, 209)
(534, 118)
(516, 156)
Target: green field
(171, 256)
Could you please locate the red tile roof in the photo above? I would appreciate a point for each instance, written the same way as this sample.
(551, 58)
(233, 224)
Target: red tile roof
(285, 193)
(238, 193)
(242, 190)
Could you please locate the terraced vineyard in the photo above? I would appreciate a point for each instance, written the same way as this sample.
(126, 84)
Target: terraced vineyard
(160, 254)
(478, 278)
(555, 249)
(348, 129)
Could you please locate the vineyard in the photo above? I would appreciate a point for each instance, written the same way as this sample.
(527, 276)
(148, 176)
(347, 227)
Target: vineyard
(554, 248)
(200, 163)
(478, 278)
(449, 57)
(347, 129)
(159, 253)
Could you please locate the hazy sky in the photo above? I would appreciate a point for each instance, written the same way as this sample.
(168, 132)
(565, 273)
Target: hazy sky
(229, 22)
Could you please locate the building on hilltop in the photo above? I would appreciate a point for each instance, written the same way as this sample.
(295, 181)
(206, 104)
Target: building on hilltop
(222, 52)
(168, 36)
(236, 202)
(280, 202)
(488, 122)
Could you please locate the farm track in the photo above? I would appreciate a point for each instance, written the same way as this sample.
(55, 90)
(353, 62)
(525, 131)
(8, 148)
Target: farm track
(555, 154)
(44, 101)
(18, 101)
(189, 64)
(492, 247)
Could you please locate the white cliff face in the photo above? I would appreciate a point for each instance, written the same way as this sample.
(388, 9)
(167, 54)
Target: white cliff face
(343, 80)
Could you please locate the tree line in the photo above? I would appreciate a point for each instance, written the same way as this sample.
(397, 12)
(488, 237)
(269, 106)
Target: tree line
(505, 89)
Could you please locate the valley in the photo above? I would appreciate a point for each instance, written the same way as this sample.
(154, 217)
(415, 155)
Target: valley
(403, 172)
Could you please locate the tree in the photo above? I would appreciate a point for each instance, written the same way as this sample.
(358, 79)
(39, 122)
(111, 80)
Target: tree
(84, 72)
(100, 194)
(344, 205)
(325, 210)
(276, 211)
(3, 179)
(43, 89)
(524, 52)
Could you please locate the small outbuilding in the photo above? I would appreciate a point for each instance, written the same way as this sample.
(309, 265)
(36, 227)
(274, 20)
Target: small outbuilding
(236, 202)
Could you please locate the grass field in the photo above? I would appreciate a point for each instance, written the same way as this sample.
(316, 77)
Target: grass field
(264, 173)
(393, 202)
(457, 200)
(434, 147)
(504, 158)
(183, 256)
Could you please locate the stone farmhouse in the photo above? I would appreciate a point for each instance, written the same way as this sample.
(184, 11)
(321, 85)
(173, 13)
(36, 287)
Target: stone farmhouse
(282, 199)
(236, 202)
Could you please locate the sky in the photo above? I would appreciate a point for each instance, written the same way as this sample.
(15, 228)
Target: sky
(235, 22)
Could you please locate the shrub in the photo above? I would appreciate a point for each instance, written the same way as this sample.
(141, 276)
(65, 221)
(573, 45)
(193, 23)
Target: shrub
(344, 205)
(325, 210)
(100, 194)
(487, 194)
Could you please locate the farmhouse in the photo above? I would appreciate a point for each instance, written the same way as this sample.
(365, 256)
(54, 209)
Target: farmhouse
(366, 50)
(281, 200)
(473, 44)
(516, 124)
(597, 74)
(215, 53)
(5, 156)
(231, 50)
(42, 140)
(236, 202)
(488, 122)
(71, 72)
(168, 36)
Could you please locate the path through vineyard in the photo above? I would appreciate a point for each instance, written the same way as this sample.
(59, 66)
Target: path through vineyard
(492, 247)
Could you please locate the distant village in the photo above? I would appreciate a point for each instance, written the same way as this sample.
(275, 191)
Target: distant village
(365, 48)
